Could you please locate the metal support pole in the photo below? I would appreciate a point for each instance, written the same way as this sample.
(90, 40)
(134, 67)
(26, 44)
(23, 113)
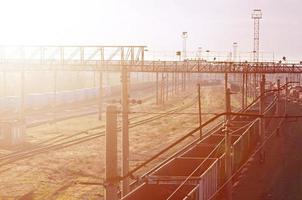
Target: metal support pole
(225, 82)
(228, 142)
(157, 95)
(22, 106)
(173, 83)
(167, 86)
(3, 93)
(181, 82)
(286, 93)
(262, 122)
(278, 97)
(4, 84)
(243, 92)
(185, 80)
(125, 130)
(225, 89)
(162, 87)
(246, 90)
(176, 83)
(101, 95)
(55, 89)
(112, 182)
(255, 86)
(228, 104)
(199, 109)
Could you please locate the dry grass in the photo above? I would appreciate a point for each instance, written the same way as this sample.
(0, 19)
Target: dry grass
(54, 175)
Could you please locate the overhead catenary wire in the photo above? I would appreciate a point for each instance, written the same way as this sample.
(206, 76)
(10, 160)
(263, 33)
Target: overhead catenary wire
(226, 113)
(242, 114)
(244, 164)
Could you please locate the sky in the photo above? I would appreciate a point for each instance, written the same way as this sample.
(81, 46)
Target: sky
(211, 24)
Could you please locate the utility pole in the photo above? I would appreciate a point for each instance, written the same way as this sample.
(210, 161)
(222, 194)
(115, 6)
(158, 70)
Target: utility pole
(162, 89)
(234, 58)
(22, 88)
(125, 126)
(246, 88)
(228, 145)
(101, 96)
(262, 121)
(286, 93)
(278, 97)
(55, 88)
(184, 81)
(157, 101)
(112, 182)
(199, 110)
(173, 83)
(167, 86)
(4, 83)
(243, 91)
(22, 107)
(176, 83)
(225, 89)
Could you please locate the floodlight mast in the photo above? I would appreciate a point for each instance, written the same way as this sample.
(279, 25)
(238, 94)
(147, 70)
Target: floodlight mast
(184, 36)
(235, 46)
(256, 16)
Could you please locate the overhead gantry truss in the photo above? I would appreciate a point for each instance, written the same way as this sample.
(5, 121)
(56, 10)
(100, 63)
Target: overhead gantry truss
(69, 57)
(114, 58)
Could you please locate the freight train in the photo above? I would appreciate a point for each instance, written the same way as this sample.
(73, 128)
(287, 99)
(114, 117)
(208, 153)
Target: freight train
(44, 100)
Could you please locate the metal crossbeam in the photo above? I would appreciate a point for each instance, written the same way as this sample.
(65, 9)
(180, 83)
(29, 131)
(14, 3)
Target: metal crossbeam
(113, 58)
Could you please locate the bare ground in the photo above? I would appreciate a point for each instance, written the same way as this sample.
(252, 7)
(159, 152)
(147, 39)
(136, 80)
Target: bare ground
(55, 175)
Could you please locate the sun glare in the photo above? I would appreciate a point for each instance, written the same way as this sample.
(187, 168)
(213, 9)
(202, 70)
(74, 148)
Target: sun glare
(36, 21)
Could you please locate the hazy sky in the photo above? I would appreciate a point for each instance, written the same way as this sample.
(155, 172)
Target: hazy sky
(211, 24)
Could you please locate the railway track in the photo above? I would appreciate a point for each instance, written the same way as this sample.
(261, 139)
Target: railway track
(61, 142)
(198, 170)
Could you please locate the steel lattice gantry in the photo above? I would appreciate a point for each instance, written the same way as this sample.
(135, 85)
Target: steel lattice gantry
(113, 58)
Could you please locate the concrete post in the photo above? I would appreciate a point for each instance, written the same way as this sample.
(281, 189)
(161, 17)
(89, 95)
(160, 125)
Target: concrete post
(162, 89)
(243, 92)
(111, 174)
(157, 92)
(255, 86)
(22, 106)
(4, 83)
(178, 82)
(278, 97)
(228, 141)
(101, 95)
(246, 89)
(167, 86)
(185, 81)
(286, 93)
(55, 89)
(173, 83)
(262, 121)
(125, 129)
(199, 110)
(225, 91)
